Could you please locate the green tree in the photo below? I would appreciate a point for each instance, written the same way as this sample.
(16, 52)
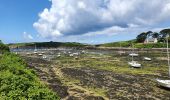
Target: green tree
(155, 35)
(164, 33)
(142, 36)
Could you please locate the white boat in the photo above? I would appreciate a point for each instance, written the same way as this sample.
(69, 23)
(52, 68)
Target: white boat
(161, 82)
(44, 57)
(134, 54)
(134, 64)
(58, 55)
(28, 53)
(147, 59)
(164, 83)
(71, 55)
(40, 54)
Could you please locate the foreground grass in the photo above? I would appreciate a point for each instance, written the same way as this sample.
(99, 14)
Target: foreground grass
(19, 83)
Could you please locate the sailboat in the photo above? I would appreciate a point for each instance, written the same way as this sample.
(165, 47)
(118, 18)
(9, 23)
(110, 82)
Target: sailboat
(35, 49)
(133, 54)
(120, 51)
(147, 58)
(133, 63)
(165, 83)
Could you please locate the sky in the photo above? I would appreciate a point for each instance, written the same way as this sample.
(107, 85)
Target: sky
(84, 21)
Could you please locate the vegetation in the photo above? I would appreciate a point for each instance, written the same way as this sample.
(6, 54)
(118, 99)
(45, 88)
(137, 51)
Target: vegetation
(19, 83)
(140, 39)
(119, 44)
(3, 48)
(47, 44)
(160, 36)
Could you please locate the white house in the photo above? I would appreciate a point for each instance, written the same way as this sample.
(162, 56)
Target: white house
(151, 40)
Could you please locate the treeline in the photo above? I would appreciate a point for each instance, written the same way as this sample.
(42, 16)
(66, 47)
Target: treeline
(17, 82)
(161, 36)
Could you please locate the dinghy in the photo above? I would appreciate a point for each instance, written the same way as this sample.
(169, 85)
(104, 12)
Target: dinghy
(134, 64)
(147, 59)
(44, 57)
(164, 83)
(134, 54)
(161, 82)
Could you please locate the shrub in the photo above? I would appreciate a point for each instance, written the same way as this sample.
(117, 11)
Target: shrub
(19, 83)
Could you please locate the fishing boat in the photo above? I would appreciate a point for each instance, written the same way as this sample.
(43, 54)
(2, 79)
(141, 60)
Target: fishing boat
(162, 82)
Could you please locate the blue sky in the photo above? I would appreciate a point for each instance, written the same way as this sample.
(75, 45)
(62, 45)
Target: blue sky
(85, 21)
(17, 16)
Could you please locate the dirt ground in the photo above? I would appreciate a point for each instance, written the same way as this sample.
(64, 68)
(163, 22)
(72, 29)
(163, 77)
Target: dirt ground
(90, 83)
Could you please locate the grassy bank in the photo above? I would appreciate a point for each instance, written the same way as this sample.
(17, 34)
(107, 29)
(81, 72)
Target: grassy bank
(19, 83)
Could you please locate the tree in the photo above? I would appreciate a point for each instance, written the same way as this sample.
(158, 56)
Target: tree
(155, 35)
(143, 36)
(164, 33)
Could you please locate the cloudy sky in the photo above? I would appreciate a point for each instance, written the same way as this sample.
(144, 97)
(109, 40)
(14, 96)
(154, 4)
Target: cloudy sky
(85, 21)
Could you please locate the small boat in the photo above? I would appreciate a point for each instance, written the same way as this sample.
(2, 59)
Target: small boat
(35, 52)
(147, 59)
(44, 57)
(28, 53)
(40, 54)
(58, 55)
(43, 52)
(71, 55)
(164, 83)
(134, 54)
(161, 82)
(134, 64)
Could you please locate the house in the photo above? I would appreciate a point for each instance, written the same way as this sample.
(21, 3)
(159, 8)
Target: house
(151, 40)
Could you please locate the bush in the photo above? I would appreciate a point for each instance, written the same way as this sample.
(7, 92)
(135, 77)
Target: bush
(3, 48)
(18, 83)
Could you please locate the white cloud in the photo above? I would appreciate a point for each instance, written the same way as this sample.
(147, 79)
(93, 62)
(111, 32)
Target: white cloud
(95, 17)
(27, 36)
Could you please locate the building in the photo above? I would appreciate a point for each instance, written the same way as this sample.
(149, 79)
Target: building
(151, 40)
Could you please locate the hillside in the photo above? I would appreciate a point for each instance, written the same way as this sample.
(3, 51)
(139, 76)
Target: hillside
(129, 43)
(47, 44)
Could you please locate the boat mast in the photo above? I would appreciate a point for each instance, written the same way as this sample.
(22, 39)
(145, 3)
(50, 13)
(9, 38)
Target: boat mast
(168, 53)
(35, 48)
(132, 51)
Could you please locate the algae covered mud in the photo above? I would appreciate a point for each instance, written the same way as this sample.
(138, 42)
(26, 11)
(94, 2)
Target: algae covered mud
(100, 74)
